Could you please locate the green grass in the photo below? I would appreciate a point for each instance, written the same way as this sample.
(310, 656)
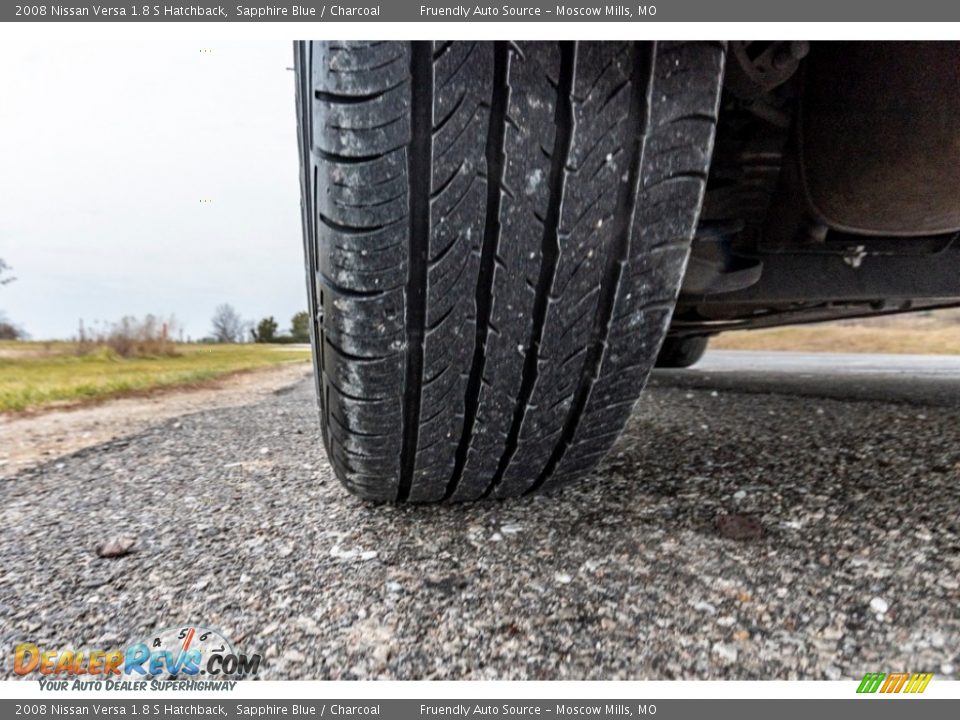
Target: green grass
(35, 375)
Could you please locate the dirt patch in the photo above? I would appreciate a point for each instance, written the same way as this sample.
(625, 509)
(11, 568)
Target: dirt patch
(37, 438)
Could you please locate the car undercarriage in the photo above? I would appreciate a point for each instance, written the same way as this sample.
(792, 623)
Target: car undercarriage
(834, 190)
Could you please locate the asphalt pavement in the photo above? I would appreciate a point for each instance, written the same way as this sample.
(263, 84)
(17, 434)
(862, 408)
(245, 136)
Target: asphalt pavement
(913, 379)
(755, 521)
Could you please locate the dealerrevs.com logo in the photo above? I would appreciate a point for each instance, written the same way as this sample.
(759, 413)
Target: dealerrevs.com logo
(181, 655)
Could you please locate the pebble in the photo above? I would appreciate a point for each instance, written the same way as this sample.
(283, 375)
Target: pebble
(116, 547)
(293, 656)
(725, 651)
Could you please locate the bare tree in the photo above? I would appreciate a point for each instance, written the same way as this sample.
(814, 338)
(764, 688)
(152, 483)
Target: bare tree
(228, 327)
(8, 331)
(5, 277)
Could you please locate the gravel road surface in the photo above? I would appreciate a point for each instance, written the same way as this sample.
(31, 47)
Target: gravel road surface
(728, 535)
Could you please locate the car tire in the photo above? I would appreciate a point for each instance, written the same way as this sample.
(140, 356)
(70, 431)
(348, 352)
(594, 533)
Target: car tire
(682, 352)
(495, 235)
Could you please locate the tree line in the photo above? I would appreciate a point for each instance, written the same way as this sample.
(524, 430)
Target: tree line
(230, 327)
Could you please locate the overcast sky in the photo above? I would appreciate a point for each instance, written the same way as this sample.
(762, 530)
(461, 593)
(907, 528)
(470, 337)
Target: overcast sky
(106, 151)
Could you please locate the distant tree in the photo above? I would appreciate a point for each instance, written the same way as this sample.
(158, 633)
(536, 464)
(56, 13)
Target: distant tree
(5, 277)
(9, 331)
(266, 330)
(228, 327)
(300, 327)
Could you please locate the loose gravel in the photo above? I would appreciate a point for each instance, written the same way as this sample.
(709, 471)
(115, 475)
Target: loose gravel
(726, 536)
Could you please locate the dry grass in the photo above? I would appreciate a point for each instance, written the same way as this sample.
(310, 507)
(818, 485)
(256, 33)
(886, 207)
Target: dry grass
(131, 338)
(936, 333)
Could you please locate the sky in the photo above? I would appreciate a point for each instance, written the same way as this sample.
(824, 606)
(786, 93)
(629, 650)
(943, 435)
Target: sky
(148, 177)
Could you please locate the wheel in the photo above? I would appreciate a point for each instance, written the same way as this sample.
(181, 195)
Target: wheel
(495, 235)
(682, 352)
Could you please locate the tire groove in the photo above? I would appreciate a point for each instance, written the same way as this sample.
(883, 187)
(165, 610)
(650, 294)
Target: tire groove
(550, 249)
(420, 172)
(496, 161)
(342, 99)
(644, 63)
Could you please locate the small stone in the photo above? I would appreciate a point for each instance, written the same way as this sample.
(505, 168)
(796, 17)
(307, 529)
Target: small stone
(381, 655)
(725, 651)
(308, 625)
(117, 547)
(879, 606)
(264, 451)
(293, 656)
(563, 578)
(445, 584)
(738, 527)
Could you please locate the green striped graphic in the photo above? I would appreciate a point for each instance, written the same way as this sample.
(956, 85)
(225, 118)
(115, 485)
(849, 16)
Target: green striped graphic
(871, 682)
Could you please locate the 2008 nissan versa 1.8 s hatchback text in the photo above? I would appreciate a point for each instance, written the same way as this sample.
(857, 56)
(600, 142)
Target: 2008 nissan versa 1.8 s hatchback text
(503, 238)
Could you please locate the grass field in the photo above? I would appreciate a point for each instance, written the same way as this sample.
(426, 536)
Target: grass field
(934, 333)
(35, 375)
